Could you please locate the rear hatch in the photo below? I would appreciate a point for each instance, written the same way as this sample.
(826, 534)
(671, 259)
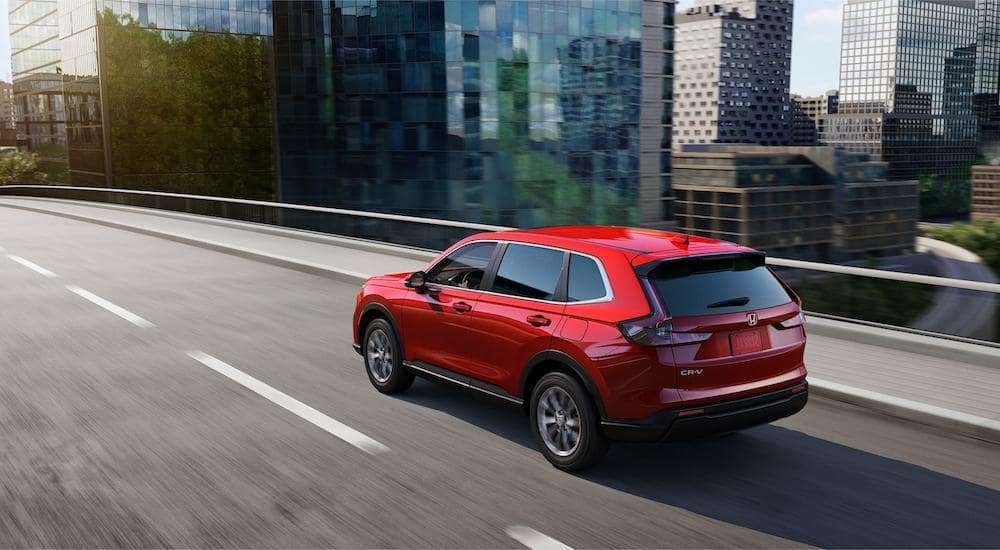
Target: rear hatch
(734, 326)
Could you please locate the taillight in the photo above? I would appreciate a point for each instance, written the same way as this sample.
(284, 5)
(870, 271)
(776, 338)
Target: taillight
(650, 332)
(793, 322)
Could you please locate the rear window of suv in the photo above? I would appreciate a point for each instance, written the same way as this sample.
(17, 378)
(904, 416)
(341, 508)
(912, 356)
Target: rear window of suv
(705, 286)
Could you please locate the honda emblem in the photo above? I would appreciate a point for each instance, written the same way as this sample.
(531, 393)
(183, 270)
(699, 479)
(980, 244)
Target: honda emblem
(752, 319)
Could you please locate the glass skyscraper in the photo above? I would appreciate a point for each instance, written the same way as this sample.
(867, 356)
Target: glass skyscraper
(906, 81)
(37, 92)
(156, 94)
(987, 79)
(515, 112)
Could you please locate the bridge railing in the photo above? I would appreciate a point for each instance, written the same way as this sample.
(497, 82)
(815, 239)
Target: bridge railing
(948, 306)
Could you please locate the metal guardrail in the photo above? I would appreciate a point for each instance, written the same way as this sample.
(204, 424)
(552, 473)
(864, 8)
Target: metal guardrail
(441, 239)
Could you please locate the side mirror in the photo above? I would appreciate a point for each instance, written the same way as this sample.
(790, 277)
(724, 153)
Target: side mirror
(417, 281)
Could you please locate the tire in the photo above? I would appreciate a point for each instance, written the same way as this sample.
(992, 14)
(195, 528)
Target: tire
(383, 358)
(558, 401)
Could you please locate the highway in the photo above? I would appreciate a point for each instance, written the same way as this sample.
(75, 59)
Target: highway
(956, 311)
(159, 394)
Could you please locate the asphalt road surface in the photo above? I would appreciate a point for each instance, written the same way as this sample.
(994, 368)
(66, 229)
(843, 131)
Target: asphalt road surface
(157, 394)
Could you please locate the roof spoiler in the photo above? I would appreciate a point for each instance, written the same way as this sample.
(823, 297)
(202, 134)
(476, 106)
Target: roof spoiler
(645, 269)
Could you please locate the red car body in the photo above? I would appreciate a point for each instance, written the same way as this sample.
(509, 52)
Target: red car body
(719, 372)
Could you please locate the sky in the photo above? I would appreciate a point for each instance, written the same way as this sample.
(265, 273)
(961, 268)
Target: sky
(815, 45)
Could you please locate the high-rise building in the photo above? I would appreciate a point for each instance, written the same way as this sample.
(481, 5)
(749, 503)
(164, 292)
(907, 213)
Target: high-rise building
(37, 83)
(499, 111)
(8, 135)
(147, 95)
(906, 75)
(818, 106)
(733, 62)
(809, 117)
(987, 76)
(505, 111)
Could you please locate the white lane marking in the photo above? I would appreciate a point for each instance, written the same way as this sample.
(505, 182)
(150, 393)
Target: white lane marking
(291, 404)
(533, 539)
(32, 266)
(117, 310)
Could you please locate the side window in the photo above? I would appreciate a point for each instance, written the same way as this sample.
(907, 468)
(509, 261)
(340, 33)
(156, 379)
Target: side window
(529, 272)
(585, 281)
(464, 267)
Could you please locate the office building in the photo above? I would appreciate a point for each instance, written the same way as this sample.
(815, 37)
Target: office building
(804, 132)
(121, 93)
(733, 61)
(8, 135)
(818, 106)
(986, 193)
(906, 75)
(501, 111)
(810, 203)
(809, 116)
(509, 112)
(987, 76)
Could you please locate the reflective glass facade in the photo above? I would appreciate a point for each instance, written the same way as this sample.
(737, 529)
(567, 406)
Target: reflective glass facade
(516, 112)
(38, 97)
(987, 83)
(126, 94)
(906, 79)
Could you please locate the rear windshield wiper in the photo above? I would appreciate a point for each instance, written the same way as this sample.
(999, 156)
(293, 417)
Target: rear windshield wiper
(741, 301)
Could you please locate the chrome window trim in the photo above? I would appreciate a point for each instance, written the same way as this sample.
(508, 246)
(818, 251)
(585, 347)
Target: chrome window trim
(608, 291)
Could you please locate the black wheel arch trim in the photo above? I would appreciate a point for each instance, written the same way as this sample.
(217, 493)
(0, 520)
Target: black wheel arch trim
(565, 359)
(392, 322)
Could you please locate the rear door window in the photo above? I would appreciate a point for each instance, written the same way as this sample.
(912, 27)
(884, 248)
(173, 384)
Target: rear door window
(529, 272)
(705, 286)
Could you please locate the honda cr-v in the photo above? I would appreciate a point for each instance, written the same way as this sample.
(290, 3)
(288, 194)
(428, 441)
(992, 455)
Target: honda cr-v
(600, 333)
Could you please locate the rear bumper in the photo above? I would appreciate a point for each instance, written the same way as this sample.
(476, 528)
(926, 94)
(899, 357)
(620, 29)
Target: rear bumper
(726, 416)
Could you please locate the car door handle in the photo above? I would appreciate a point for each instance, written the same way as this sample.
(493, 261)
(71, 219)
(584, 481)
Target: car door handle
(462, 307)
(539, 321)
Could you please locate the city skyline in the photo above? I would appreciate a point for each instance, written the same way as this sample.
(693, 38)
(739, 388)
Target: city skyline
(815, 45)
(809, 44)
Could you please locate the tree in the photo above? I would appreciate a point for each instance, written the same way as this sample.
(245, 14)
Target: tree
(940, 198)
(20, 167)
(189, 112)
(982, 238)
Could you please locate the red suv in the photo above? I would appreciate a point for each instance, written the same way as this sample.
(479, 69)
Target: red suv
(600, 333)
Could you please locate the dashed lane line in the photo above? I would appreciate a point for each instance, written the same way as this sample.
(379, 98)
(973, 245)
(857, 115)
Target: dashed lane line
(117, 310)
(334, 427)
(534, 539)
(32, 266)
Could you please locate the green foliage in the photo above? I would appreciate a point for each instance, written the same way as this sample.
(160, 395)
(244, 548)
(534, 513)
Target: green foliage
(20, 167)
(982, 238)
(944, 198)
(188, 113)
(877, 300)
(543, 183)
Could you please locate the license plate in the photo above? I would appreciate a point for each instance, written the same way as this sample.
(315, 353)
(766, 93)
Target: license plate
(749, 341)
